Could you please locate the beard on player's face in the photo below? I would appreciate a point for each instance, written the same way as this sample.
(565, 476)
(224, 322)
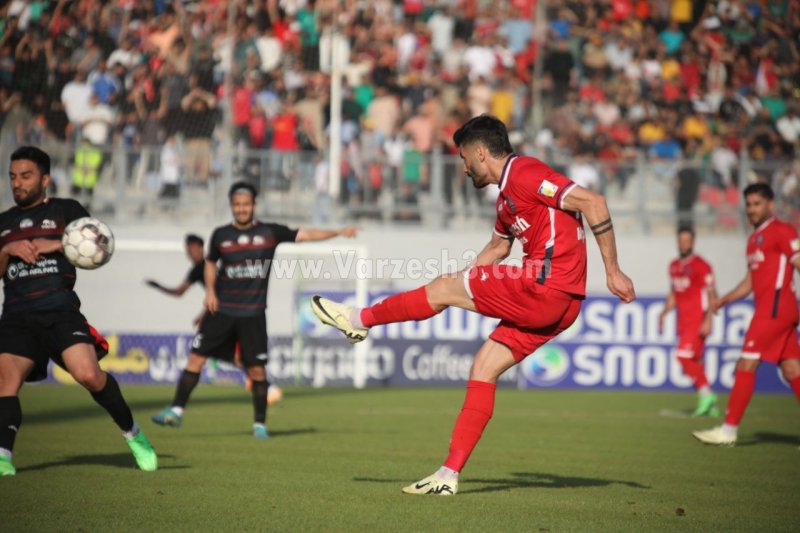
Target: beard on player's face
(758, 210)
(479, 177)
(26, 196)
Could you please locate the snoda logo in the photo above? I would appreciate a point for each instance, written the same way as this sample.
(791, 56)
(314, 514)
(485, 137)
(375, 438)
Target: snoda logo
(547, 366)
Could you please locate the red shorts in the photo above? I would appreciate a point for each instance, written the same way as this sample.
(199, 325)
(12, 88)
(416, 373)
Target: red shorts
(690, 346)
(530, 313)
(771, 340)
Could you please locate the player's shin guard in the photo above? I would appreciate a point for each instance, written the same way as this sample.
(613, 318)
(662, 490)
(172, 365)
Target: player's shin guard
(694, 369)
(260, 401)
(186, 385)
(475, 414)
(10, 421)
(110, 398)
(795, 384)
(410, 305)
(743, 385)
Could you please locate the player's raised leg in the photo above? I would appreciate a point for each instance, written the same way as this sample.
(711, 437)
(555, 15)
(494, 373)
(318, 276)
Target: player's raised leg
(172, 415)
(80, 361)
(13, 371)
(418, 304)
(490, 362)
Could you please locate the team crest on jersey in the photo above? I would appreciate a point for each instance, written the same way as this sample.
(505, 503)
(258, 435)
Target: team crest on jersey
(760, 240)
(548, 189)
(258, 240)
(48, 224)
(25, 223)
(243, 239)
(12, 271)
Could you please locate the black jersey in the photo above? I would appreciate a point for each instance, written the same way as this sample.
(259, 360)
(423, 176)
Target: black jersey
(245, 261)
(197, 274)
(48, 283)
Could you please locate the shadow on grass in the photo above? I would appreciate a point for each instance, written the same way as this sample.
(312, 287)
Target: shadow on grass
(118, 460)
(767, 437)
(272, 433)
(526, 480)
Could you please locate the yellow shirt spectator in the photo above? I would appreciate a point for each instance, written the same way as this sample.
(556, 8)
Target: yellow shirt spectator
(681, 11)
(502, 105)
(670, 69)
(651, 132)
(694, 127)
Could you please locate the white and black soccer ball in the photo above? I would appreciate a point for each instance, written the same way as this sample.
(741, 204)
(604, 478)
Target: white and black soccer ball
(88, 243)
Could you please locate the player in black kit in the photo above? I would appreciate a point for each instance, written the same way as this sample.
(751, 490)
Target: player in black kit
(41, 317)
(236, 300)
(194, 251)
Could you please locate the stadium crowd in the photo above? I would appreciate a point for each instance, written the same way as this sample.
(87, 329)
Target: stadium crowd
(675, 80)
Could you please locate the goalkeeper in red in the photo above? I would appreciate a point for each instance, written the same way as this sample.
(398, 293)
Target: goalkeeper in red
(773, 253)
(693, 296)
(534, 302)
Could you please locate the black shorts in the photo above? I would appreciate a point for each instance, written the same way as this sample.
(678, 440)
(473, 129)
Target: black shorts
(220, 334)
(42, 336)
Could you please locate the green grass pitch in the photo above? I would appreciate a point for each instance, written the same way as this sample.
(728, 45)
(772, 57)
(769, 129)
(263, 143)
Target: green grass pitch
(337, 459)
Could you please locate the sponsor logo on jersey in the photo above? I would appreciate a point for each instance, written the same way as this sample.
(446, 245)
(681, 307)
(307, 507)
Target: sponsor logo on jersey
(680, 283)
(80, 333)
(243, 239)
(48, 224)
(25, 223)
(519, 226)
(755, 258)
(12, 270)
(5, 232)
(548, 189)
(546, 366)
(262, 357)
(258, 239)
(226, 244)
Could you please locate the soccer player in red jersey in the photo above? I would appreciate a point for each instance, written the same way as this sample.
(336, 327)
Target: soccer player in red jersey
(693, 296)
(773, 252)
(534, 302)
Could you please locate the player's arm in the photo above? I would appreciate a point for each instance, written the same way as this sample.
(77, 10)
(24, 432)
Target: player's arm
(593, 206)
(24, 249)
(312, 234)
(177, 291)
(210, 275)
(740, 291)
(669, 305)
(495, 251)
(708, 319)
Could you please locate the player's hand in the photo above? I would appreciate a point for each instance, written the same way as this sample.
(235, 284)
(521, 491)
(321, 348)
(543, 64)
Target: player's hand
(705, 327)
(24, 249)
(349, 232)
(47, 246)
(153, 283)
(621, 286)
(212, 303)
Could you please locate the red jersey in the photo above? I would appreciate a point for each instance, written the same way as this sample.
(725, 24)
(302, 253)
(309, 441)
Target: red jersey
(529, 208)
(691, 277)
(770, 250)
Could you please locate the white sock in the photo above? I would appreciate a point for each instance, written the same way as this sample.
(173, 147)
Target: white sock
(447, 473)
(132, 433)
(355, 318)
(258, 425)
(730, 430)
(5, 453)
(704, 391)
(177, 410)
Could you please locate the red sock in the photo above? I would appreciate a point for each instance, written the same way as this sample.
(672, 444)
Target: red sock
(410, 305)
(743, 385)
(795, 383)
(474, 415)
(694, 369)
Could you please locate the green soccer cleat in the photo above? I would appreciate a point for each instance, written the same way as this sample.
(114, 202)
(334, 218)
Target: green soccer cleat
(143, 452)
(706, 406)
(260, 431)
(6, 467)
(337, 315)
(167, 417)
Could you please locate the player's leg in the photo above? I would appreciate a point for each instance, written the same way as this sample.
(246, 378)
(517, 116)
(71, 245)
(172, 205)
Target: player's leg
(13, 371)
(252, 335)
(172, 415)
(690, 356)
(418, 304)
(80, 360)
(790, 368)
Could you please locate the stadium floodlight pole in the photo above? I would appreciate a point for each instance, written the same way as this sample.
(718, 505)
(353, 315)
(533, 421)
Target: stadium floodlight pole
(335, 148)
(539, 32)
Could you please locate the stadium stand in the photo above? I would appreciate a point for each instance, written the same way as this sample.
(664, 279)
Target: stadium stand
(669, 107)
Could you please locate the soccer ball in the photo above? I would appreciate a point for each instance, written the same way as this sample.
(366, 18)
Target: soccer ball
(88, 243)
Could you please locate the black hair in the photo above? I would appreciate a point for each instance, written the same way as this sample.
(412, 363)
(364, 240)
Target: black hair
(242, 186)
(686, 229)
(488, 130)
(191, 238)
(762, 189)
(32, 153)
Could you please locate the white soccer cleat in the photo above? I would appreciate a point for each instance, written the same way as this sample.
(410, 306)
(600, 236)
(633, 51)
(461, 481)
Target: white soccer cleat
(337, 315)
(435, 485)
(715, 436)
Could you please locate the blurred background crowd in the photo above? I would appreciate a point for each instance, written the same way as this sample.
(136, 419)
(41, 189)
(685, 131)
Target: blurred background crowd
(677, 101)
